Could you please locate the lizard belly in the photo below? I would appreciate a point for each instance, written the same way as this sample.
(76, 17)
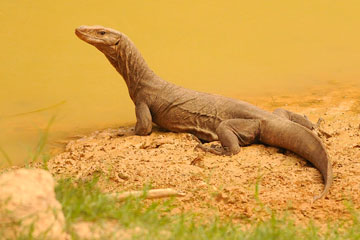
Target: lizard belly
(183, 110)
(179, 121)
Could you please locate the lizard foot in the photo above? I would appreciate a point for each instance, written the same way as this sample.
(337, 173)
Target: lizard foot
(320, 132)
(220, 152)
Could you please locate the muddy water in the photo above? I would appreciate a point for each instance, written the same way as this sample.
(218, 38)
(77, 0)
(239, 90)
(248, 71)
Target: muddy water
(230, 48)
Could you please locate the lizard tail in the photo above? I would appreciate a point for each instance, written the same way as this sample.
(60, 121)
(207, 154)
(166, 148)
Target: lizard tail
(328, 181)
(302, 141)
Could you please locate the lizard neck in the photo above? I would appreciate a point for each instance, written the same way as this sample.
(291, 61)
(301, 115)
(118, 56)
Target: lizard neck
(128, 61)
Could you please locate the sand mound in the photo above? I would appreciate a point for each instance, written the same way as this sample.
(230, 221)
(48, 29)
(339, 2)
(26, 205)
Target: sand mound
(242, 186)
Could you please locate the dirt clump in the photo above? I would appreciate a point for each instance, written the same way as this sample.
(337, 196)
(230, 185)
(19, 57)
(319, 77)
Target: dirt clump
(28, 205)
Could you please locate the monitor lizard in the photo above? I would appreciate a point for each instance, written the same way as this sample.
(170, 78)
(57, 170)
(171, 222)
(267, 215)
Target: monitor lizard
(209, 117)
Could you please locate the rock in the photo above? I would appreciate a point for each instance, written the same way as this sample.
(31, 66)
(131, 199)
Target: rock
(28, 206)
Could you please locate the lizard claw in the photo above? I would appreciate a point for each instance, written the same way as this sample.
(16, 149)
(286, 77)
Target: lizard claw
(319, 131)
(320, 120)
(212, 150)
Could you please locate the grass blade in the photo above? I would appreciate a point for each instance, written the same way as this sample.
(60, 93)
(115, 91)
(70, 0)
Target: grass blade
(43, 139)
(6, 156)
(35, 111)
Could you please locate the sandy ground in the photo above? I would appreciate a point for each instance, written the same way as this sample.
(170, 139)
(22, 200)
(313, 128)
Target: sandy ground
(227, 185)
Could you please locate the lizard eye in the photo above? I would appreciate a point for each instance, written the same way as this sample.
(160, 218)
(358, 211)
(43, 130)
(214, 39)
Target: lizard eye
(102, 32)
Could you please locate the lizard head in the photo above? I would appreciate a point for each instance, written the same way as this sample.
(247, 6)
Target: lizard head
(105, 39)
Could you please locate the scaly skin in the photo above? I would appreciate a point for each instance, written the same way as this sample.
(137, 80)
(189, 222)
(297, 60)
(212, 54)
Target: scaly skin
(209, 117)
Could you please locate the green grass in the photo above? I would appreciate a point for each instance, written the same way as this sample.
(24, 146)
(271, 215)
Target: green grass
(40, 147)
(37, 153)
(83, 201)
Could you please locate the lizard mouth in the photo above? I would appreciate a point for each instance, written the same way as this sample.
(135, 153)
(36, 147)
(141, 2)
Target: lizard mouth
(85, 37)
(78, 32)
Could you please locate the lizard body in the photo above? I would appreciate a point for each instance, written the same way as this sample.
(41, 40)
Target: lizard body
(209, 117)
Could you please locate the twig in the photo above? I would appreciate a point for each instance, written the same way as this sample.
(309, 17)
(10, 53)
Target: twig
(151, 194)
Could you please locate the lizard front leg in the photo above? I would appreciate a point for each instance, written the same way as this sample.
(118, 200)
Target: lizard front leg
(235, 133)
(143, 119)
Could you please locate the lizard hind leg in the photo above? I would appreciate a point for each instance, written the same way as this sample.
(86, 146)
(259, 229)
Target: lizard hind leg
(235, 133)
(299, 119)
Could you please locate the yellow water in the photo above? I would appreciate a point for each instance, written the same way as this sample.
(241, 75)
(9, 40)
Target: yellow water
(226, 47)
